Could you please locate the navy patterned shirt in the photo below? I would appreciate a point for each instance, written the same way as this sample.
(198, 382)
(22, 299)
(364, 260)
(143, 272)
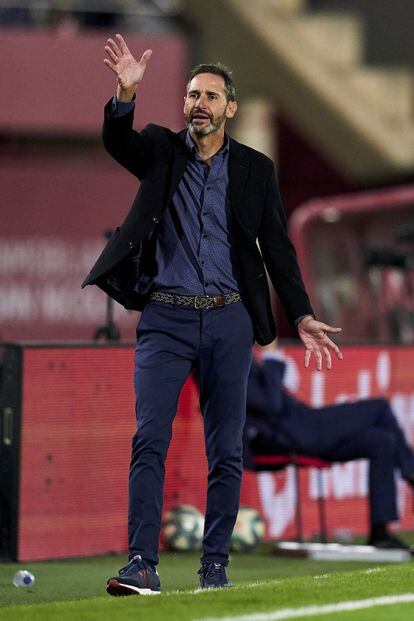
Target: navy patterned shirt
(201, 262)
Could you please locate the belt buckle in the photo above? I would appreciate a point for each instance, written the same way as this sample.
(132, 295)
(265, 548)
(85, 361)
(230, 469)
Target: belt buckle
(218, 301)
(200, 301)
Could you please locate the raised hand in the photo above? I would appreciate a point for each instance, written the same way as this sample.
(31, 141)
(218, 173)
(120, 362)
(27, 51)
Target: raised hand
(313, 335)
(129, 72)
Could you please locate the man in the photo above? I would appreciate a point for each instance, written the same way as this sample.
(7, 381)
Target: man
(187, 255)
(278, 424)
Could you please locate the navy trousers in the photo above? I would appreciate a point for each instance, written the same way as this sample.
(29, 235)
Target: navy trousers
(366, 429)
(379, 438)
(171, 342)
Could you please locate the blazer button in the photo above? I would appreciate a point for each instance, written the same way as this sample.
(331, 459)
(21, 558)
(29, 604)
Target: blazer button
(155, 220)
(130, 244)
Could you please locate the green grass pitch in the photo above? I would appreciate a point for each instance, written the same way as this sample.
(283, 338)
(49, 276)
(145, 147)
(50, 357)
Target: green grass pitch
(74, 590)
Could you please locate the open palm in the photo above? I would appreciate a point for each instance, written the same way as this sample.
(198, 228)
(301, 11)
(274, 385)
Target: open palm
(128, 70)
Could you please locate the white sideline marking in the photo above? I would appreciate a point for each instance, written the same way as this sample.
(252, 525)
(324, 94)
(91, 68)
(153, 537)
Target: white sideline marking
(309, 611)
(243, 585)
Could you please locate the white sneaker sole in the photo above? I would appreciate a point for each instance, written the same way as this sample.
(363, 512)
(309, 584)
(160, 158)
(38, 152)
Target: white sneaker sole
(118, 589)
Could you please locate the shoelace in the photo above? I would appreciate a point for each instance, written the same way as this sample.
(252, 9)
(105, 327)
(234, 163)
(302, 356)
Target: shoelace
(214, 571)
(137, 560)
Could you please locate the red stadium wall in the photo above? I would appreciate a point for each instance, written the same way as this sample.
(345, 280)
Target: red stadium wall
(55, 214)
(59, 81)
(77, 420)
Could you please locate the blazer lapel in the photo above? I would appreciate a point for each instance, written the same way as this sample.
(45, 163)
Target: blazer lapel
(238, 172)
(179, 163)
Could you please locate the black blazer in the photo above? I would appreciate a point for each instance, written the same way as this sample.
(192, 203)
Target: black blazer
(158, 157)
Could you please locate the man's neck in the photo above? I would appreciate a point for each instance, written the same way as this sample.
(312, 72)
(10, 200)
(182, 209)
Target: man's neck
(207, 146)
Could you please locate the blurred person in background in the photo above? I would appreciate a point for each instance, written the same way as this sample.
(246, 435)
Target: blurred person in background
(187, 255)
(11, 16)
(279, 424)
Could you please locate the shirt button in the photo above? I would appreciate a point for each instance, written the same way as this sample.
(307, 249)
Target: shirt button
(130, 244)
(155, 220)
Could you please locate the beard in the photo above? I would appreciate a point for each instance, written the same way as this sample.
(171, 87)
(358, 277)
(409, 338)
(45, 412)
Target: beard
(213, 126)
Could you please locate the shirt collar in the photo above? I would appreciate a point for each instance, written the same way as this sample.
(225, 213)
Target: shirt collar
(193, 149)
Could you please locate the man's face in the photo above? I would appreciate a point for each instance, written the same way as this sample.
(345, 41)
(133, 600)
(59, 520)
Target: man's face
(205, 105)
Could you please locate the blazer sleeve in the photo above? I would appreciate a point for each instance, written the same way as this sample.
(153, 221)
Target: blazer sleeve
(279, 254)
(134, 150)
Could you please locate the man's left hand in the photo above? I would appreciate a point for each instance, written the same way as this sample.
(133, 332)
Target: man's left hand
(313, 335)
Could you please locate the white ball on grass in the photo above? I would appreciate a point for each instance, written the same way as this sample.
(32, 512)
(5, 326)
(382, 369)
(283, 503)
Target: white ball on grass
(23, 578)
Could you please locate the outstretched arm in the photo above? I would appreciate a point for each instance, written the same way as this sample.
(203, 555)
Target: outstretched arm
(129, 72)
(133, 150)
(280, 259)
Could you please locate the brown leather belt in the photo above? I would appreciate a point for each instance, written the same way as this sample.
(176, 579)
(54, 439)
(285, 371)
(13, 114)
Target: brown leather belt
(196, 301)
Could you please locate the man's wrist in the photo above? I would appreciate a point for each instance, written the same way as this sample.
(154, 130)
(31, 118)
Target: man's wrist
(300, 321)
(125, 96)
